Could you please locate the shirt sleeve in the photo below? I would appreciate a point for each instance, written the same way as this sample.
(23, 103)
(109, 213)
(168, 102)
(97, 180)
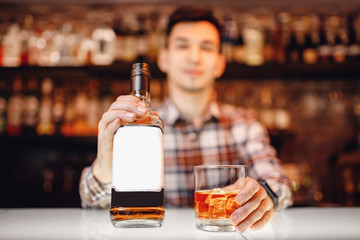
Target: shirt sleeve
(93, 193)
(262, 162)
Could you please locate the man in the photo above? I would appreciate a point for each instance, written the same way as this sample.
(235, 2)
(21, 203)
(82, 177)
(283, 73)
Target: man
(198, 129)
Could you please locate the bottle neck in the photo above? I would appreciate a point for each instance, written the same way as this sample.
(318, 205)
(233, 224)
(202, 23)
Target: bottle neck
(143, 95)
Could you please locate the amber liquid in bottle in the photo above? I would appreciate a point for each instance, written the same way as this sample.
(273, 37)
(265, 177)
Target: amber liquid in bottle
(137, 197)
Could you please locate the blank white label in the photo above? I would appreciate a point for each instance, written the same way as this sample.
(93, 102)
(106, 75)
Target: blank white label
(138, 159)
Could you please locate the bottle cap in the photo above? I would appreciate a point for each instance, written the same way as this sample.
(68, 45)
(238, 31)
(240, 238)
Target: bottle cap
(140, 77)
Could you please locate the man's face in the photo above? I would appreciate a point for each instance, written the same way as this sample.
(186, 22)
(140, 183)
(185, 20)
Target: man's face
(192, 60)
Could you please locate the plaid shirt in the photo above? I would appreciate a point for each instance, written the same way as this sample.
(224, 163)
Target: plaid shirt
(228, 135)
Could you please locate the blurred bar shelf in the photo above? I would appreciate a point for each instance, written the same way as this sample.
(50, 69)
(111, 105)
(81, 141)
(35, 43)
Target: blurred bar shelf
(120, 70)
(321, 71)
(23, 141)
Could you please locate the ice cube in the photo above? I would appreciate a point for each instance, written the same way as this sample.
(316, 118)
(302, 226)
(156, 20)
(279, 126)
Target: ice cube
(231, 204)
(216, 200)
(218, 190)
(217, 208)
(215, 193)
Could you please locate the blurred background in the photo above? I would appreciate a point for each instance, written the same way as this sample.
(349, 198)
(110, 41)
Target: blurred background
(295, 63)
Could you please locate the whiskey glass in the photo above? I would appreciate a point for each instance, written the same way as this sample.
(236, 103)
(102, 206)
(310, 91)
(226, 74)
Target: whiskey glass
(216, 188)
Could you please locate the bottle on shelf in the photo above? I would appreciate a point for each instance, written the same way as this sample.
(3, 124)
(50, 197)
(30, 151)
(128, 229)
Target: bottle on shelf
(269, 46)
(129, 52)
(353, 51)
(325, 50)
(137, 197)
(239, 49)
(253, 42)
(310, 54)
(230, 33)
(2, 33)
(86, 45)
(46, 125)
(24, 36)
(142, 36)
(15, 108)
(93, 107)
(12, 47)
(69, 110)
(117, 26)
(35, 43)
(281, 37)
(3, 105)
(31, 107)
(48, 47)
(293, 50)
(339, 53)
(80, 126)
(68, 45)
(106, 98)
(58, 108)
(156, 35)
(104, 45)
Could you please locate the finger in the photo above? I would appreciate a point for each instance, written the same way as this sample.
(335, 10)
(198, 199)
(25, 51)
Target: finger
(136, 107)
(268, 216)
(109, 134)
(255, 215)
(128, 98)
(110, 116)
(248, 207)
(251, 187)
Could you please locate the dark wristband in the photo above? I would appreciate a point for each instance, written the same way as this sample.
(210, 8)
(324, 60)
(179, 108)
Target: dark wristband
(270, 192)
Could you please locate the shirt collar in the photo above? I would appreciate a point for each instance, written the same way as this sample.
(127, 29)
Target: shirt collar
(173, 114)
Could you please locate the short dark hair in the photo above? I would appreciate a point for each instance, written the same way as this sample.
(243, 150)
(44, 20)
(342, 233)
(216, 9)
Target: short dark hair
(193, 14)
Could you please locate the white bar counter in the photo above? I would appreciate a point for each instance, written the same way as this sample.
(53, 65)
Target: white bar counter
(58, 223)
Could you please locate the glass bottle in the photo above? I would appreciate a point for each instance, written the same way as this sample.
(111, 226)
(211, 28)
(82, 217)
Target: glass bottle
(137, 195)
(93, 107)
(48, 49)
(104, 43)
(143, 36)
(310, 54)
(2, 34)
(293, 50)
(46, 125)
(353, 43)
(31, 107)
(15, 108)
(24, 36)
(58, 107)
(239, 50)
(80, 126)
(3, 104)
(130, 49)
(339, 53)
(68, 43)
(230, 33)
(253, 43)
(324, 49)
(12, 47)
